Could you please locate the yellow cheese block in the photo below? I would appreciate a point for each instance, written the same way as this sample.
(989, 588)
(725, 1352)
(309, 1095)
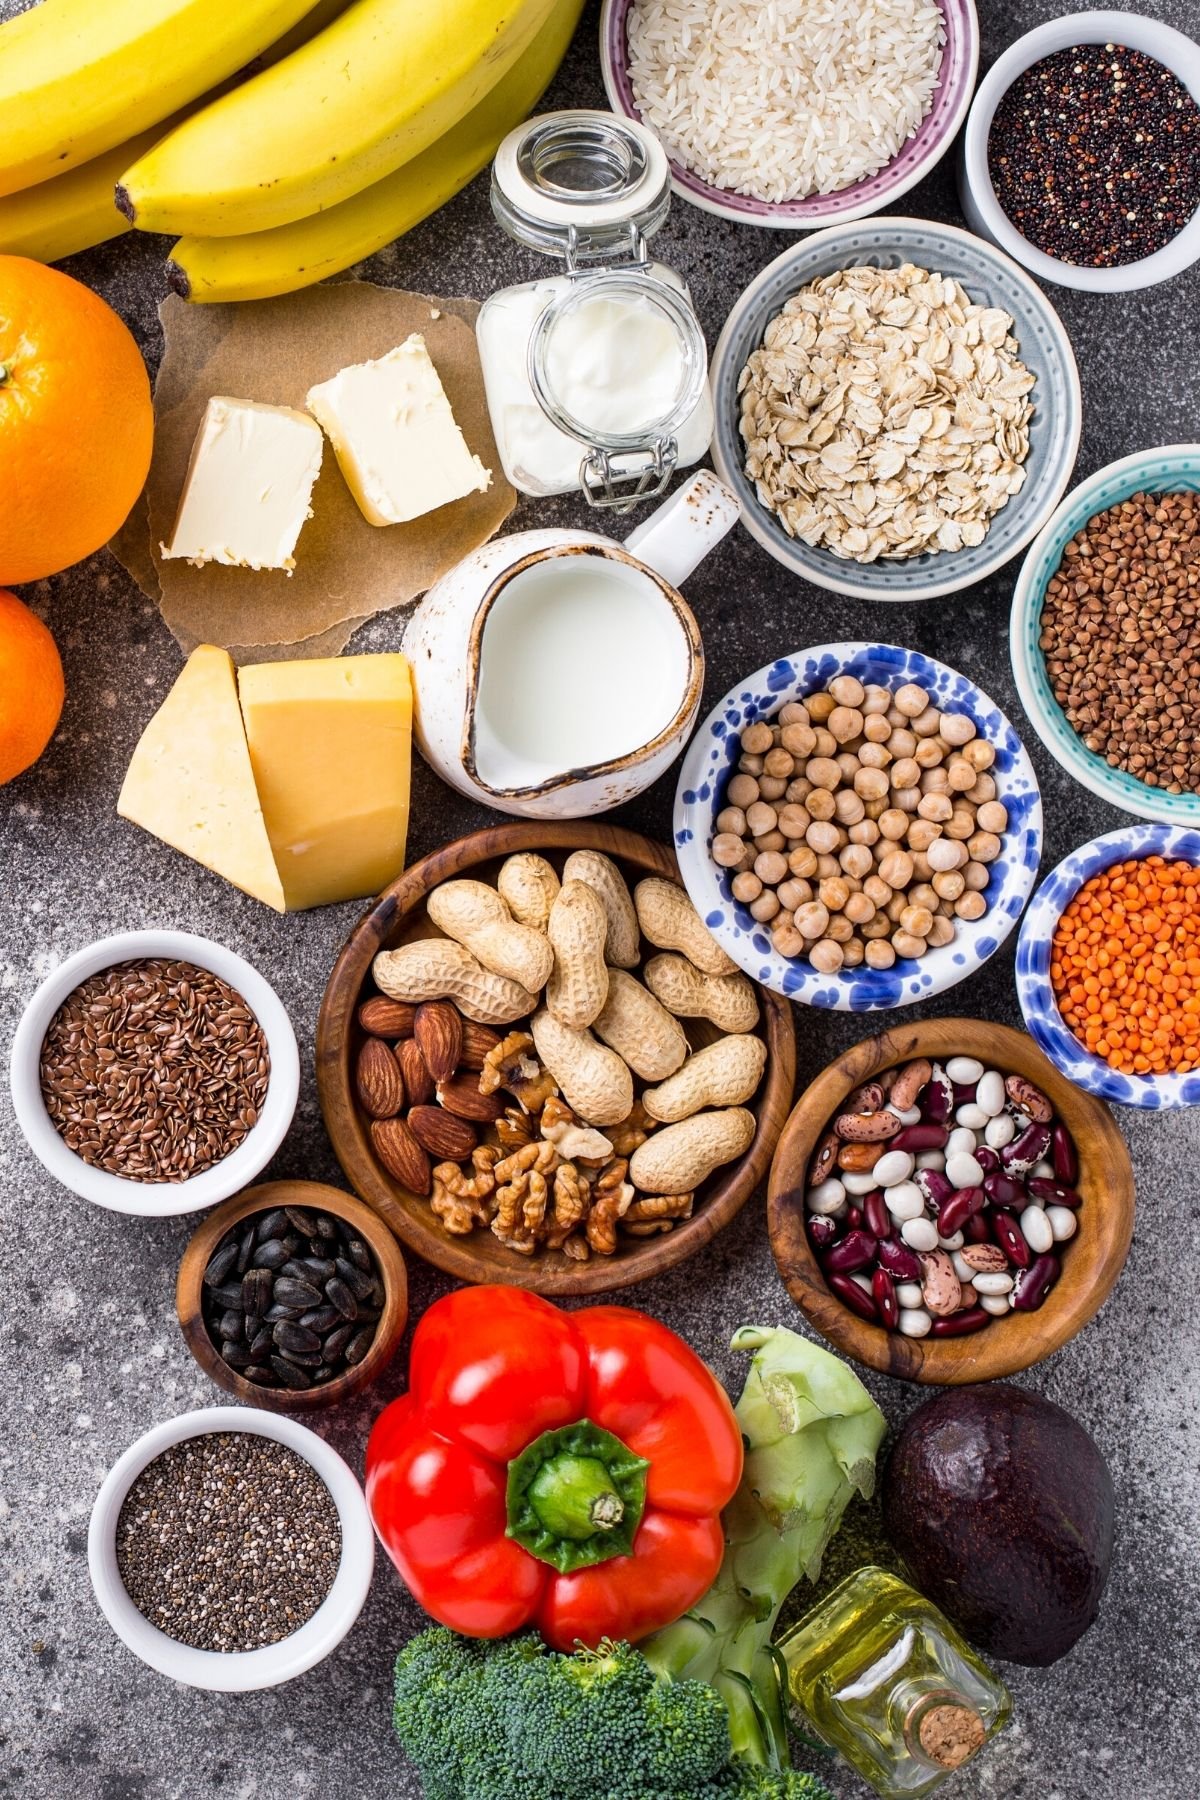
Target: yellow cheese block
(191, 784)
(330, 745)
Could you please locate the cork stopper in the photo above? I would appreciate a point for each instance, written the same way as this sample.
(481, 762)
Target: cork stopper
(950, 1735)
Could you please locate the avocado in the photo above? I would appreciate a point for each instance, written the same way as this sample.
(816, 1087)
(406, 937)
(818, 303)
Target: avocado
(1001, 1505)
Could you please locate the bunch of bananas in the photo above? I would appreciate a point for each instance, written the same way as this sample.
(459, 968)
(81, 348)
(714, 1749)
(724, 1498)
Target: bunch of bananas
(283, 139)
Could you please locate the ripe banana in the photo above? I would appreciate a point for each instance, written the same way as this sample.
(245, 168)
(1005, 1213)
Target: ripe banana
(79, 76)
(264, 263)
(377, 87)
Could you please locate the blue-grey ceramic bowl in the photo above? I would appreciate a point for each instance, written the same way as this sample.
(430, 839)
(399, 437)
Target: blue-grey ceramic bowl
(989, 277)
(1175, 468)
(712, 757)
(1034, 991)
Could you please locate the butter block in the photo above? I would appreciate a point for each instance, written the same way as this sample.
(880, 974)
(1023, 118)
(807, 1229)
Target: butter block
(330, 746)
(191, 785)
(395, 436)
(248, 487)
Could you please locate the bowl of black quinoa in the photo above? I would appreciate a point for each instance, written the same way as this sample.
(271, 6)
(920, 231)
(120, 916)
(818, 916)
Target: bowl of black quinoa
(1081, 152)
(230, 1550)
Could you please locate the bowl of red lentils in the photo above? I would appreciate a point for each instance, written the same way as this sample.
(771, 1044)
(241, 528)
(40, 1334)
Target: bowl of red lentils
(1108, 967)
(1081, 152)
(1105, 634)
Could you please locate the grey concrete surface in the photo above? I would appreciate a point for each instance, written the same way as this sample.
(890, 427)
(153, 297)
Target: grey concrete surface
(89, 1348)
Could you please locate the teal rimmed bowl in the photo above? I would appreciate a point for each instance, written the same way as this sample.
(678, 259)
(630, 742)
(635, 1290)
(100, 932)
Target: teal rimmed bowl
(1173, 468)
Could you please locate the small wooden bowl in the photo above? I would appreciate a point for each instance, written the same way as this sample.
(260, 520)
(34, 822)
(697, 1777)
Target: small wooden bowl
(1091, 1261)
(398, 915)
(315, 1196)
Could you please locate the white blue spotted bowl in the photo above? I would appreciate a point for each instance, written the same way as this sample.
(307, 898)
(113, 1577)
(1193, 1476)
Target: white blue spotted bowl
(1175, 468)
(1159, 1093)
(712, 757)
(989, 277)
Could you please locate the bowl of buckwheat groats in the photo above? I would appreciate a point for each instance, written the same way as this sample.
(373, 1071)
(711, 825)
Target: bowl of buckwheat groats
(1105, 634)
(858, 826)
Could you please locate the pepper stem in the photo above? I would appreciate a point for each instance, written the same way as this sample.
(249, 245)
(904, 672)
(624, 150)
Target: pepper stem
(575, 1496)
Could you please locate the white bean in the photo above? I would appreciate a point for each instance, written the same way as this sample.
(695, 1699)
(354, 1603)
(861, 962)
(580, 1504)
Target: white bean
(963, 1070)
(905, 1201)
(1042, 1171)
(1037, 1230)
(915, 1322)
(908, 1294)
(858, 1181)
(910, 1116)
(962, 1267)
(893, 1167)
(954, 1242)
(932, 1159)
(1000, 1131)
(996, 1304)
(989, 1093)
(963, 1170)
(961, 1138)
(972, 1116)
(862, 1282)
(1062, 1222)
(987, 1282)
(919, 1234)
(827, 1196)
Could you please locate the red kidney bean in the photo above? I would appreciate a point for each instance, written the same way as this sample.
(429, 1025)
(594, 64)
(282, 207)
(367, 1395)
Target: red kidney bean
(879, 1220)
(884, 1290)
(1029, 1148)
(824, 1157)
(1053, 1193)
(920, 1137)
(987, 1158)
(853, 1295)
(1034, 1283)
(1064, 1155)
(958, 1209)
(934, 1185)
(822, 1230)
(939, 1096)
(855, 1251)
(964, 1092)
(900, 1261)
(1001, 1190)
(972, 1318)
(976, 1229)
(1007, 1234)
(854, 1218)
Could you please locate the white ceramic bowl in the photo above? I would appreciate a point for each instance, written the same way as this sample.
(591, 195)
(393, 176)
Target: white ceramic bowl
(983, 211)
(146, 1199)
(711, 758)
(234, 1672)
(1173, 468)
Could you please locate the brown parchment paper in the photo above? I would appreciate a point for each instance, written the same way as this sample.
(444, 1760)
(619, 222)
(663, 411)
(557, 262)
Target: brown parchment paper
(346, 570)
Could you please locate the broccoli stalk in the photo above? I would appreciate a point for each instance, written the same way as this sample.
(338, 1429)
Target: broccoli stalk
(811, 1432)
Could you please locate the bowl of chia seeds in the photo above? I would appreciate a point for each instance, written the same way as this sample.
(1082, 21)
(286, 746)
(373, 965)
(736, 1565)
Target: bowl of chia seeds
(230, 1550)
(1081, 153)
(154, 1073)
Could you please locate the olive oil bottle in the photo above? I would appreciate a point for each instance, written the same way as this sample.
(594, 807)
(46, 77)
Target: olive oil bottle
(887, 1680)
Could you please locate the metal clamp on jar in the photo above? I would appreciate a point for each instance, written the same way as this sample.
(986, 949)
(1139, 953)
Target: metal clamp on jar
(597, 377)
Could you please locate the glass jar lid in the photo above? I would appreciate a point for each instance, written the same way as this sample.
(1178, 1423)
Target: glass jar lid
(581, 185)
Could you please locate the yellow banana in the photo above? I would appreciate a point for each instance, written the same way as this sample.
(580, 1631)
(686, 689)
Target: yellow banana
(378, 86)
(264, 263)
(78, 76)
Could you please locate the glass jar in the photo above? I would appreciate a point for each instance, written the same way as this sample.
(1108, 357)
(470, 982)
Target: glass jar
(887, 1680)
(596, 377)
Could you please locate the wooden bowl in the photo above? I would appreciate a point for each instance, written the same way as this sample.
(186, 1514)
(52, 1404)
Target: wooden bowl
(1091, 1260)
(398, 915)
(313, 1195)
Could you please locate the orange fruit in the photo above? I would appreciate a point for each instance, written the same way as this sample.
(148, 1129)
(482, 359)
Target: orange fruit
(31, 686)
(76, 422)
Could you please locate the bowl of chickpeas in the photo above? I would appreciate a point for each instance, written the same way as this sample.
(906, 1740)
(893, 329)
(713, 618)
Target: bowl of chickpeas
(858, 825)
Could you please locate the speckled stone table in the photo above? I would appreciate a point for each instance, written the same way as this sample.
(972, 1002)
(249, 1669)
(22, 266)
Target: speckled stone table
(89, 1347)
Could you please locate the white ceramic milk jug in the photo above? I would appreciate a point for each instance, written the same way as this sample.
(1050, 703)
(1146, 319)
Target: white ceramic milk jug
(556, 673)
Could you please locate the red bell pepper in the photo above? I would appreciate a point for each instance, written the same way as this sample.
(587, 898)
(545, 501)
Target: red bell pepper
(559, 1470)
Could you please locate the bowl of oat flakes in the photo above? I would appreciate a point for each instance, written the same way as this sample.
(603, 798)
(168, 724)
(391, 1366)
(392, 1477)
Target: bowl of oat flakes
(897, 408)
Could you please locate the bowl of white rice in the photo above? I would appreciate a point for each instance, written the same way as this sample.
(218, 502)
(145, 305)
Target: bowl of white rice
(793, 113)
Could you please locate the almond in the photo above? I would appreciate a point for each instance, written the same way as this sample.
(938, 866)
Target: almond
(386, 1018)
(378, 1080)
(401, 1155)
(462, 1096)
(438, 1029)
(442, 1133)
(478, 1043)
(418, 1082)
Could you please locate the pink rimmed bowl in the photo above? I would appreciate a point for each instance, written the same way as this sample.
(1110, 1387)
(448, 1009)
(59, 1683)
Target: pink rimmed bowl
(926, 147)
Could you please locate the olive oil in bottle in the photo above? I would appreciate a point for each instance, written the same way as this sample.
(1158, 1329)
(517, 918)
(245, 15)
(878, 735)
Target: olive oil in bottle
(888, 1681)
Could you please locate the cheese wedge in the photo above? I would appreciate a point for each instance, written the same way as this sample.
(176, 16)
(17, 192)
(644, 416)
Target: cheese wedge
(330, 746)
(190, 782)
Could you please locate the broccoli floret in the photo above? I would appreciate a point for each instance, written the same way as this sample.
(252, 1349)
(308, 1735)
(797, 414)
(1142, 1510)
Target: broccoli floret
(515, 1721)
